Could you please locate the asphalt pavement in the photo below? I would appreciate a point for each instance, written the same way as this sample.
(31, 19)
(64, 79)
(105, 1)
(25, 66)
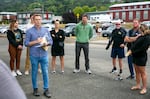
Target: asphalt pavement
(99, 85)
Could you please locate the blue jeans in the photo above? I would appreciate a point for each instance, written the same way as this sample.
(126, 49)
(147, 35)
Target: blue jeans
(130, 64)
(43, 61)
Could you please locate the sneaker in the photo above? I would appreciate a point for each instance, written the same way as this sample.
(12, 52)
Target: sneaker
(26, 72)
(53, 71)
(130, 77)
(113, 71)
(18, 72)
(39, 70)
(14, 73)
(47, 93)
(88, 71)
(62, 71)
(120, 73)
(76, 70)
(119, 78)
(35, 92)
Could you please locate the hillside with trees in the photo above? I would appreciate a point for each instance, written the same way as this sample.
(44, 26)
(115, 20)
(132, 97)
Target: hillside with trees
(58, 7)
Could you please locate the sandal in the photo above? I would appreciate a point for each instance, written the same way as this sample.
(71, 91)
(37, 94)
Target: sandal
(143, 91)
(135, 88)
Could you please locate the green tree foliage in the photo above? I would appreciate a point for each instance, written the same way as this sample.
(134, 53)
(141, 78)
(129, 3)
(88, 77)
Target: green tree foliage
(94, 8)
(78, 10)
(34, 5)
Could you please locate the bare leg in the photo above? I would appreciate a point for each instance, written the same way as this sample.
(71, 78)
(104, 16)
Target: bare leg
(144, 78)
(138, 76)
(62, 63)
(114, 66)
(114, 62)
(53, 63)
(120, 63)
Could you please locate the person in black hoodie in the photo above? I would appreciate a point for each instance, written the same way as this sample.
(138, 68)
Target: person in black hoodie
(139, 53)
(15, 38)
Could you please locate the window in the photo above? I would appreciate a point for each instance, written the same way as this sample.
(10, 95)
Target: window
(141, 6)
(123, 15)
(147, 6)
(145, 15)
(123, 8)
(130, 15)
(138, 15)
(19, 15)
(130, 7)
(24, 15)
(117, 15)
(135, 7)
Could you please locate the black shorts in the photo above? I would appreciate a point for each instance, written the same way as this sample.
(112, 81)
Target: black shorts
(117, 52)
(140, 61)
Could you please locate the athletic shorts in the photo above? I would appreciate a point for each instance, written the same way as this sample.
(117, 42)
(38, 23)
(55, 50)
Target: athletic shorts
(117, 52)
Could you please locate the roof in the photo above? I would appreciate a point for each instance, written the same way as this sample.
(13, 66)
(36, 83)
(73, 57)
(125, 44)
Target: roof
(130, 4)
(8, 13)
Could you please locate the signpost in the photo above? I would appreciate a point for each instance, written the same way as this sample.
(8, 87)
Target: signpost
(78, 15)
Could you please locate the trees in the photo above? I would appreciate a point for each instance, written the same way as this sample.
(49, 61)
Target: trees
(58, 7)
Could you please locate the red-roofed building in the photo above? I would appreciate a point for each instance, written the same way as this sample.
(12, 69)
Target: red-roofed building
(130, 11)
(127, 11)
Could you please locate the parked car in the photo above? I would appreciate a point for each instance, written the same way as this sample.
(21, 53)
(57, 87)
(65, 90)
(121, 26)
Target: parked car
(69, 31)
(70, 24)
(47, 21)
(22, 27)
(3, 29)
(146, 23)
(48, 26)
(116, 20)
(108, 31)
(106, 25)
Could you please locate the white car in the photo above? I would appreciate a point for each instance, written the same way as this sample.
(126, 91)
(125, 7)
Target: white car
(3, 29)
(48, 26)
(146, 23)
(116, 20)
(22, 27)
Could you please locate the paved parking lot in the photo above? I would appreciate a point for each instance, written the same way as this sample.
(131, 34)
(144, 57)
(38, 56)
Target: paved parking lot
(99, 85)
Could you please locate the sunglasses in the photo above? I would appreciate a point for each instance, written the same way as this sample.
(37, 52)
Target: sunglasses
(118, 24)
